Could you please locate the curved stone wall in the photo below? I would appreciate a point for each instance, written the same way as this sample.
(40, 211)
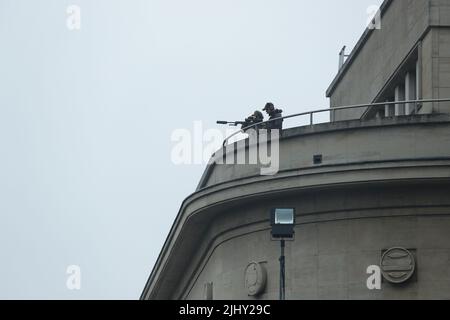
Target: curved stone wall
(382, 183)
(333, 248)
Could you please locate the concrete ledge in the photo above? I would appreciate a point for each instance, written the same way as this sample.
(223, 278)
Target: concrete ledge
(417, 161)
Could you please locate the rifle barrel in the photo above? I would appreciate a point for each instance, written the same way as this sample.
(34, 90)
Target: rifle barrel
(232, 123)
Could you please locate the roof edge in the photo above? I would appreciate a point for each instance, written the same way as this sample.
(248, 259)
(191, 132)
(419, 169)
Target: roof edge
(359, 45)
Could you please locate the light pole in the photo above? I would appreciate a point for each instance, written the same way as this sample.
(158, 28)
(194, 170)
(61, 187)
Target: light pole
(282, 273)
(282, 221)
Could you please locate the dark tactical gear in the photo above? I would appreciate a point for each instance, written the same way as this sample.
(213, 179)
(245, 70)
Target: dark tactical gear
(256, 117)
(274, 114)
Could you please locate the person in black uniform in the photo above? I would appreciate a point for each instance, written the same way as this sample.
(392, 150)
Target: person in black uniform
(256, 117)
(274, 114)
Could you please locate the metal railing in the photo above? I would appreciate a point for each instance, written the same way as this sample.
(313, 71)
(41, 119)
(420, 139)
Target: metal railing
(332, 111)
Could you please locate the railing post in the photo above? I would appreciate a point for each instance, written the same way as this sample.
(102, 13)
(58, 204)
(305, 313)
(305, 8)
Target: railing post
(311, 119)
(416, 108)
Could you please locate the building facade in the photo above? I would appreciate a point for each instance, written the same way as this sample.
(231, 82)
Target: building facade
(370, 188)
(408, 58)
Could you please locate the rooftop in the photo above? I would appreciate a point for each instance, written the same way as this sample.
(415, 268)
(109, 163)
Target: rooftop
(359, 45)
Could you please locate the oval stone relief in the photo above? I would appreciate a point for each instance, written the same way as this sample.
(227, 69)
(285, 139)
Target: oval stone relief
(397, 265)
(255, 278)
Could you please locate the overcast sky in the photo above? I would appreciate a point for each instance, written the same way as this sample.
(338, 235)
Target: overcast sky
(86, 118)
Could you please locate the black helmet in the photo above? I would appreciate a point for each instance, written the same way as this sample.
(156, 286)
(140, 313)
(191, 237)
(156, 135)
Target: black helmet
(257, 114)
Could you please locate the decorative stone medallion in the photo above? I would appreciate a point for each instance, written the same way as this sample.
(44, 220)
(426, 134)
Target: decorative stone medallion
(255, 278)
(397, 265)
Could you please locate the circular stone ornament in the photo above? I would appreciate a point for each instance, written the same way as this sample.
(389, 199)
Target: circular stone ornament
(397, 265)
(255, 278)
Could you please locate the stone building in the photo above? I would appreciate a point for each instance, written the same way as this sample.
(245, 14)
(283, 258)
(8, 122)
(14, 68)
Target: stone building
(371, 188)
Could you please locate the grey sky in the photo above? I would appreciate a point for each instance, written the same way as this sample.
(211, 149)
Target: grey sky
(86, 119)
